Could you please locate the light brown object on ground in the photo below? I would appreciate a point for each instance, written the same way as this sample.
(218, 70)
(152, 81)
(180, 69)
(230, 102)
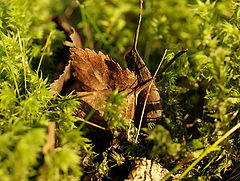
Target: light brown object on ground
(50, 143)
(147, 170)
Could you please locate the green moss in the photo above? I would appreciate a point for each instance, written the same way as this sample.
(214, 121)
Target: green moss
(200, 91)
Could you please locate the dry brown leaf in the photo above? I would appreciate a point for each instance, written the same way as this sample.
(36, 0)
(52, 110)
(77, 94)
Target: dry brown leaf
(98, 75)
(94, 100)
(57, 85)
(97, 72)
(76, 39)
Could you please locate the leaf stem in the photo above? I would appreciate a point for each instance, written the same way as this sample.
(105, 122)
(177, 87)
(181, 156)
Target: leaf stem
(138, 26)
(90, 123)
(172, 60)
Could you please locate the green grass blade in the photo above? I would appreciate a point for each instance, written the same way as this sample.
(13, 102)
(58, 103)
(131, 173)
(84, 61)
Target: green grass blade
(209, 149)
(214, 157)
(44, 50)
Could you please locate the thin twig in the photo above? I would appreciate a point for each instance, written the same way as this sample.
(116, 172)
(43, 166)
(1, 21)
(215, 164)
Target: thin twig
(50, 138)
(172, 60)
(138, 27)
(234, 115)
(149, 88)
(90, 123)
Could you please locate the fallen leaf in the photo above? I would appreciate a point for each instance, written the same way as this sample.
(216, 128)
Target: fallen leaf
(98, 75)
(96, 72)
(76, 39)
(57, 85)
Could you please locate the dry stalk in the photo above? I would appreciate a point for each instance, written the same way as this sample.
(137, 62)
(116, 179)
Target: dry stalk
(149, 88)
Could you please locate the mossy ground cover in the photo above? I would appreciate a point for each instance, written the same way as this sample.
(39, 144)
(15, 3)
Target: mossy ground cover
(200, 91)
